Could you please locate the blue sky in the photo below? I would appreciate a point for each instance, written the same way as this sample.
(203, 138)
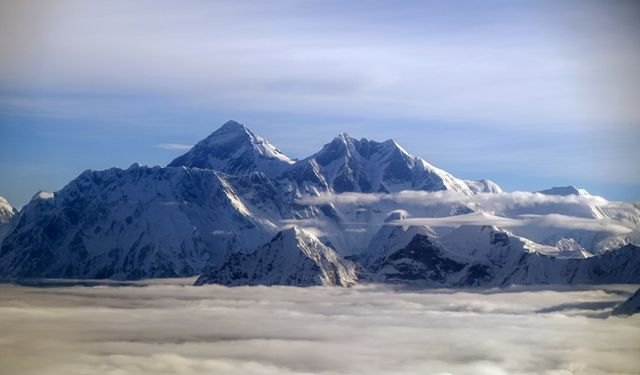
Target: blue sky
(529, 94)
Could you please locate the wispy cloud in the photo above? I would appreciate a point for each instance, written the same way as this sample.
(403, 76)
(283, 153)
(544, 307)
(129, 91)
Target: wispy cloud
(487, 201)
(174, 146)
(576, 223)
(551, 221)
(475, 218)
(385, 59)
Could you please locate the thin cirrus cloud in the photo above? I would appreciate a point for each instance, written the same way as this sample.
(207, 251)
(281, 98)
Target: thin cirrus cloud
(421, 60)
(174, 146)
(172, 328)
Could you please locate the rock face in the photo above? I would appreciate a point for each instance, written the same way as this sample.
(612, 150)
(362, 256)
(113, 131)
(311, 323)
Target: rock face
(421, 262)
(630, 306)
(292, 257)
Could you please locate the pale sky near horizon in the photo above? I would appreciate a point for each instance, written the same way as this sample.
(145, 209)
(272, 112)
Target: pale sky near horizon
(530, 94)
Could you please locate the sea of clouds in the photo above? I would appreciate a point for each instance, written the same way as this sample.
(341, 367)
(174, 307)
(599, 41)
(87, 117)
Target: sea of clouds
(174, 328)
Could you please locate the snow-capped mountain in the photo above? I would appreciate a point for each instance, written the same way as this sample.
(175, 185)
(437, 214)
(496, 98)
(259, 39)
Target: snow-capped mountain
(495, 244)
(347, 164)
(6, 211)
(234, 149)
(224, 200)
(292, 257)
(130, 224)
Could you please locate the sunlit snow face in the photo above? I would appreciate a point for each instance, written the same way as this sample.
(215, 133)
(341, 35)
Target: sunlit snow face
(173, 329)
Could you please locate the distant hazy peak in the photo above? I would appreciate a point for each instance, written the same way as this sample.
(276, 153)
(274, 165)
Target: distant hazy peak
(564, 190)
(6, 211)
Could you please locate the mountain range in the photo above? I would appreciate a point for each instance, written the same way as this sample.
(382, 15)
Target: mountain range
(236, 210)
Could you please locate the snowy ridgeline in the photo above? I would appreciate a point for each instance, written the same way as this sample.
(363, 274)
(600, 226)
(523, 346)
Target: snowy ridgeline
(238, 211)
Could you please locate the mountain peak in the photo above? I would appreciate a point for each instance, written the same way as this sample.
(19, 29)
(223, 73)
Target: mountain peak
(234, 149)
(342, 139)
(232, 125)
(344, 136)
(42, 195)
(6, 211)
(292, 232)
(396, 215)
(351, 165)
(292, 257)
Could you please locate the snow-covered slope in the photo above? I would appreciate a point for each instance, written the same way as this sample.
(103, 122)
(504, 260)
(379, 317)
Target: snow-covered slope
(292, 257)
(130, 224)
(494, 258)
(496, 244)
(630, 306)
(234, 149)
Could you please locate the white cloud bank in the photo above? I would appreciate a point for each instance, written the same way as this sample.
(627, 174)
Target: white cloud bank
(514, 209)
(547, 221)
(476, 218)
(489, 201)
(176, 329)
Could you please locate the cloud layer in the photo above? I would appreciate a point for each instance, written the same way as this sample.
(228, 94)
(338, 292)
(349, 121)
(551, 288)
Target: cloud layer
(515, 209)
(489, 201)
(547, 221)
(174, 329)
